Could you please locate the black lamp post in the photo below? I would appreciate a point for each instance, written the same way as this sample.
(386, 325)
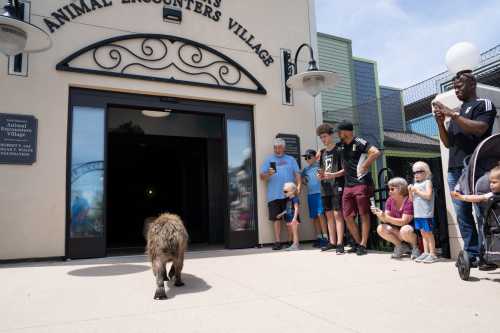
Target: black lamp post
(17, 36)
(313, 80)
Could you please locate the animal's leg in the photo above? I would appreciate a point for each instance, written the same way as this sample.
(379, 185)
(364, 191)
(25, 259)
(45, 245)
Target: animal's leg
(160, 272)
(178, 264)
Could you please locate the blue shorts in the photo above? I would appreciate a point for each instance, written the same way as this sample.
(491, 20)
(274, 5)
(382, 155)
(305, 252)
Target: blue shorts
(315, 205)
(424, 224)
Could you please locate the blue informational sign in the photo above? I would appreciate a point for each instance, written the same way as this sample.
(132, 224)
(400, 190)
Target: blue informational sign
(18, 138)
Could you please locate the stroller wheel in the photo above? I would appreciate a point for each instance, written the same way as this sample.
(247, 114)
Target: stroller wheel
(463, 265)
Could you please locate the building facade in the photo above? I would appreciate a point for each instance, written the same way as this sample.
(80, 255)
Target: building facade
(142, 107)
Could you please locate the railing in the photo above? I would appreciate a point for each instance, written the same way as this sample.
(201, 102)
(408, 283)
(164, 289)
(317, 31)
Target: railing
(432, 85)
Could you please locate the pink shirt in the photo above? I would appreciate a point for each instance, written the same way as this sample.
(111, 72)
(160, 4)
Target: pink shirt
(407, 208)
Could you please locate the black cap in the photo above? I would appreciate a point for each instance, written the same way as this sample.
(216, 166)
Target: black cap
(309, 152)
(345, 125)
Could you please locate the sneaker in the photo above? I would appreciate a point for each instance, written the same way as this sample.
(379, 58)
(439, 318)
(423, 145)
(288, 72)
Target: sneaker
(277, 246)
(398, 252)
(293, 247)
(361, 251)
(353, 249)
(430, 259)
(487, 266)
(415, 253)
(339, 249)
(328, 247)
(316, 243)
(323, 242)
(405, 248)
(421, 257)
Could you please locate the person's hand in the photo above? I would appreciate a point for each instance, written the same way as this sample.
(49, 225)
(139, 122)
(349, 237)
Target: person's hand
(442, 110)
(456, 195)
(299, 187)
(321, 174)
(411, 189)
(294, 222)
(271, 172)
(377, 212)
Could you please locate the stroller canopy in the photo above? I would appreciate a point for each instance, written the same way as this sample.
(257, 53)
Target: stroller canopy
(485, 157)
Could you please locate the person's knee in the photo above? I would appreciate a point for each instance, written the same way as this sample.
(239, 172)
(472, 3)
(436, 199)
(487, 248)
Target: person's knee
(407, 232)
(381, 230)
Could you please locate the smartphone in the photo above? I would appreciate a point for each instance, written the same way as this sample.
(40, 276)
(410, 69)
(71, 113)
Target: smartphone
(273, 166)
(372, 201)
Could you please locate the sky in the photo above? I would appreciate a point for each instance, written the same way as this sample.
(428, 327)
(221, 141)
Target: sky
(409, 38)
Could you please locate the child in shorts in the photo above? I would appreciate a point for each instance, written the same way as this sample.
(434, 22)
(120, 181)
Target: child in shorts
(422, 196)
(291, 214)
(310, 179)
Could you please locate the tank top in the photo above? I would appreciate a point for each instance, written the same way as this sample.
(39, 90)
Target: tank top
(423, 208)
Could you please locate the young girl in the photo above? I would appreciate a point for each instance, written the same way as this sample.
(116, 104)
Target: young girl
(291, 214)
(422, 195)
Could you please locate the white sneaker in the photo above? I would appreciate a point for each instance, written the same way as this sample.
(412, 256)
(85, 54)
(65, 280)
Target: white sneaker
(398, 252)
(421, 257)
(293, 247)
(430, 259)
(415, 253)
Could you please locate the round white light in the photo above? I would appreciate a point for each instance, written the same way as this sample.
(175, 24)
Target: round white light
(462, 56)
(12, 40)
(313, 82)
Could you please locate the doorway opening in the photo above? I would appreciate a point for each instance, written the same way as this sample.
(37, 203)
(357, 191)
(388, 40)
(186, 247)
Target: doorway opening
(164, 161)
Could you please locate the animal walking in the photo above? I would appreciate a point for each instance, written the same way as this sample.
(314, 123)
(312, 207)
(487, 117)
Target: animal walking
(167, 242)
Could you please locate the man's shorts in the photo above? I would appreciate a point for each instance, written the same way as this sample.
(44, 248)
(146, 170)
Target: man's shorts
(424, 224)
(276, 207)
(315, 205)
(334, 201)
(356, 200)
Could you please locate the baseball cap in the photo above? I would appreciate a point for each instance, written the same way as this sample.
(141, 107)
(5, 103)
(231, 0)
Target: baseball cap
(309, 152)
(345, 125)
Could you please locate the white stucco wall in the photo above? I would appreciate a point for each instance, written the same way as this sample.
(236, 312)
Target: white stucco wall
(32, 198)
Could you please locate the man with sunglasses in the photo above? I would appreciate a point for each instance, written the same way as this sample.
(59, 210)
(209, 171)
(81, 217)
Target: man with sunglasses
(467, 128)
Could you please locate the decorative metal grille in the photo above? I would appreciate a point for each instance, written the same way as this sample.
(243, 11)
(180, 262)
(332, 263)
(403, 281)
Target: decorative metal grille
(162, 58)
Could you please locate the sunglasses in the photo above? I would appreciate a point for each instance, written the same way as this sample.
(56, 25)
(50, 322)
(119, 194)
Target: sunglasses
(307, 158)
(286, 192)
(392, 189)
(418, 171)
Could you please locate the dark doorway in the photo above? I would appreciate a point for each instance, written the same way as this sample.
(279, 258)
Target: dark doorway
(151, 172)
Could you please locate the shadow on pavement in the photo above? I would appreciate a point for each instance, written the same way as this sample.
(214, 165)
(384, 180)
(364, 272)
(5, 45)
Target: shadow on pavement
(193, 284)
(109, 270)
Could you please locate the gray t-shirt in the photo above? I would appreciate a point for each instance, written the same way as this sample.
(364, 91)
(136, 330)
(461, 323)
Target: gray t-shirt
(423, 208)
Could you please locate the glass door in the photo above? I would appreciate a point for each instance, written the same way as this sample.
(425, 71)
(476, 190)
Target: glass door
(242, 231)
(86, 216)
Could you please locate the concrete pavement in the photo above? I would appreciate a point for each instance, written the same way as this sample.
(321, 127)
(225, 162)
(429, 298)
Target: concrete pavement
(254, 290)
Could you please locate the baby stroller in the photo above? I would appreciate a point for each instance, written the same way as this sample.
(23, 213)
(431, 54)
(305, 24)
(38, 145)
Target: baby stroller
(484, 158)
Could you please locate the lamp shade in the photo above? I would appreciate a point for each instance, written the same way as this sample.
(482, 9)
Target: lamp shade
(17, 36)
(313, 82)
(156, 114)
(462, 56)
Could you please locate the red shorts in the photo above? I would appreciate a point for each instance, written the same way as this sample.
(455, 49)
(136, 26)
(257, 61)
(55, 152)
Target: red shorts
(356, 200)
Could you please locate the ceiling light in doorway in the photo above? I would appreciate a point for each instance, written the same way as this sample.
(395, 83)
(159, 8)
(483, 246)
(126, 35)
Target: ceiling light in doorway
(156, 113)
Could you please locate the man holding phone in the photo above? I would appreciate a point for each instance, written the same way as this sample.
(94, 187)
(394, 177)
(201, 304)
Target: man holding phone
(467, 128)
(277, 170)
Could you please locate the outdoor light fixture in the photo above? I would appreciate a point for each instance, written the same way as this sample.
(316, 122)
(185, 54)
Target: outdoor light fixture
(312, 81)
(172, 14)
(156, 113)
(463, 56)
(17, 36)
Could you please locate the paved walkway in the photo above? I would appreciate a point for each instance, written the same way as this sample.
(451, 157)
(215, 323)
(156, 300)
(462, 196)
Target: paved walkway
(250, 291)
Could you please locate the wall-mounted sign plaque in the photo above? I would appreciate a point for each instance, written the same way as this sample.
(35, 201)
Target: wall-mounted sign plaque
(18, 134)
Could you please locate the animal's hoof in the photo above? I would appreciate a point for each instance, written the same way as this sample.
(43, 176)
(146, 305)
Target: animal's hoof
(160, 294)
(179, 283)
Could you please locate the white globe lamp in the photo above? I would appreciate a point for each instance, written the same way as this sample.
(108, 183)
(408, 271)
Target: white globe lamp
(463, 56)
(17, 36)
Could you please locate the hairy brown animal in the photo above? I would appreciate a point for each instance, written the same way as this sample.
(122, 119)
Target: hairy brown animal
(167, 242)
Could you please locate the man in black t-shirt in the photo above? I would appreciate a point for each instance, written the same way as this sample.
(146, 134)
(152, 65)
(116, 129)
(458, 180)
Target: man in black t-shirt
(331, 188)
(467, 128)
(357, 156)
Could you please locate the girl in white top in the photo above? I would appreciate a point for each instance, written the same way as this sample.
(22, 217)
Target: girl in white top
(422, 196)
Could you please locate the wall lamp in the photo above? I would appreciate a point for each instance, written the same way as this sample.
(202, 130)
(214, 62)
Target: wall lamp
(17, 36)
(313, 80)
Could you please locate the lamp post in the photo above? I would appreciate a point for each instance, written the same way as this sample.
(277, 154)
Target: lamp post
(313, 80)
(17, 36)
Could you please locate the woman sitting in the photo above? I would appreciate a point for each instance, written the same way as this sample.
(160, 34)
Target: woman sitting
(395, 223)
